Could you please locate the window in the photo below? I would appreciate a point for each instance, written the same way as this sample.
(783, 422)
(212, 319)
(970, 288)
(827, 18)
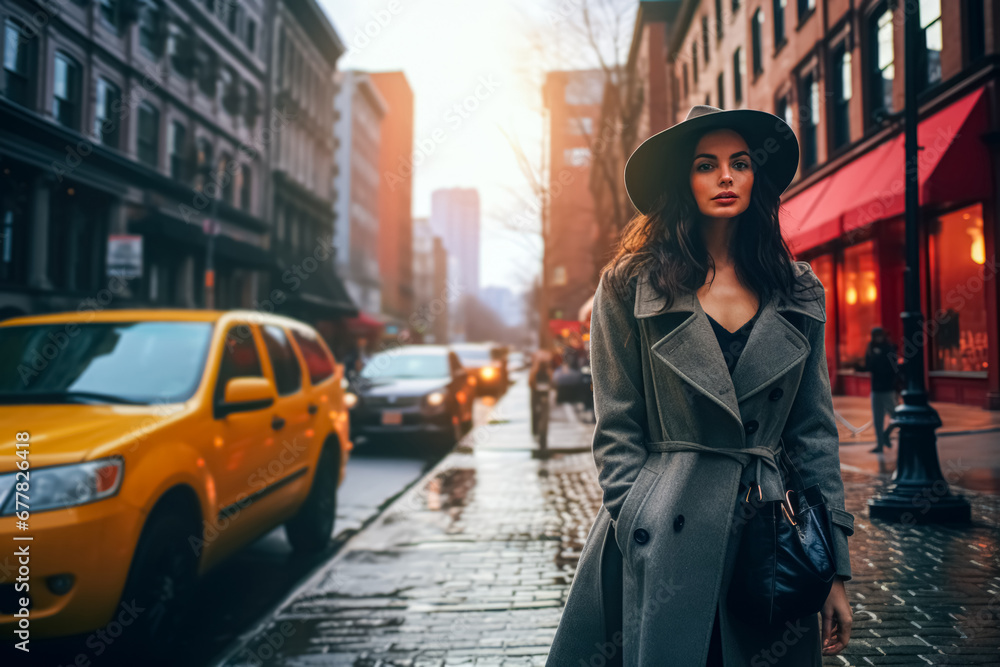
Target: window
(805, 9)
(245, 186)
(318, 359)
(975, 29)
(239, 359)
(930, 25)
(287, 371)
(809, 96)
(840, 73)
(15, 65)
(251, 36)
(720, 84)
(110, 14)
(737, 76)
(736, 6)
(756, 28)
(783, 110)
(779, 23)
(958, 329)
(66, 91)
(704, 38)
(105, 121)
(149, 33)
(577, 157)
(559, 276)
(233, 18)
(149, 134)
(582, 125)
(881, 70)
(226, 170)
(859, 308)
(204, 164)
(179, 46)
(686, 87)
(694, 61)
(176, 144)
(719, 20)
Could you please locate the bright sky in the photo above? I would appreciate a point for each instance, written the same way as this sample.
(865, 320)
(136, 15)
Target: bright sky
(451, 51)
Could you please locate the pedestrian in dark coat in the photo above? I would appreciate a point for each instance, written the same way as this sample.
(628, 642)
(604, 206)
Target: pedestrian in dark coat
(682, 422)
(882, 364)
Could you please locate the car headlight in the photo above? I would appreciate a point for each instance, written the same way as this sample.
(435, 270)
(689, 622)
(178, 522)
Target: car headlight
(350, 399)
(435, 399)
(488, 372)
(57, 487)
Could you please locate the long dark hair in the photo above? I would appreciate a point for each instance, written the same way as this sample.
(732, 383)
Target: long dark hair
(668, 245)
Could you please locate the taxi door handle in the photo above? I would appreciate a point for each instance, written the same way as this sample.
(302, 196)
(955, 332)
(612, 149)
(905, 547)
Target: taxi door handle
(277, 423)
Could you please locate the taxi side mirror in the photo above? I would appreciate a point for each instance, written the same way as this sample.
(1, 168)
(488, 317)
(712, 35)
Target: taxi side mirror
(246, 394)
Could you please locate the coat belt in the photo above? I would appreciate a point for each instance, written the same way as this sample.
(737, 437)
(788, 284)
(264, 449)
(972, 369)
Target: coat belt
(744, 456)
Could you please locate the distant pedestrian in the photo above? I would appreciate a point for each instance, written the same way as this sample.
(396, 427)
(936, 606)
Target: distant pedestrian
(881, 363)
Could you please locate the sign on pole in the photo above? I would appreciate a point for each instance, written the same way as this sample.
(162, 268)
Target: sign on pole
(125, 255)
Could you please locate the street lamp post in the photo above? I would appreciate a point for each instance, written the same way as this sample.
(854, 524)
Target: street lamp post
(918, 492)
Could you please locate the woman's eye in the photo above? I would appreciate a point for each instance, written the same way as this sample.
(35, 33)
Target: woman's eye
(741, 165)
(704, 166)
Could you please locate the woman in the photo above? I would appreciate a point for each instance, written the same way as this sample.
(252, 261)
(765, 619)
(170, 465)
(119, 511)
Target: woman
(706, 339)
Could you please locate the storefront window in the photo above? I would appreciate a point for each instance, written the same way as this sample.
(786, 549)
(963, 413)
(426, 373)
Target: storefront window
(858, 298)
(822, 266)
(957, 255)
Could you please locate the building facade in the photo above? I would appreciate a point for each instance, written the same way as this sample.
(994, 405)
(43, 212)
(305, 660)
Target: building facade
(573, 102)
(834, 70)
(360, 110)
(395, 245)
(124, 128)
(429, 323)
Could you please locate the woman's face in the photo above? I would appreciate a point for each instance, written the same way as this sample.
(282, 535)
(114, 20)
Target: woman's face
(721, 176)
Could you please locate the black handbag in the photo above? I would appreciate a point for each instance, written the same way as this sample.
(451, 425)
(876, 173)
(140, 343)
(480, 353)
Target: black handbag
(785, 564)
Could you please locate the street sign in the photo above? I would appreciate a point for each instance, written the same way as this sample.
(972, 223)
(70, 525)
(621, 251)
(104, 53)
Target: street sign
(125, 255)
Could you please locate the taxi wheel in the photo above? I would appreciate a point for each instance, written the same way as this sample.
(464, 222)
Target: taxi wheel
(160, 586)
(310, 530)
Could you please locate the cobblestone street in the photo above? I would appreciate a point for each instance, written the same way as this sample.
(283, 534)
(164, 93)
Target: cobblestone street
(471, 567)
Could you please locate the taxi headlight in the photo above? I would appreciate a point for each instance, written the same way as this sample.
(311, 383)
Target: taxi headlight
(350, 400)
(56, 487)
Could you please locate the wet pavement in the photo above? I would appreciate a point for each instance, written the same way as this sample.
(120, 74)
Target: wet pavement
(471, 567)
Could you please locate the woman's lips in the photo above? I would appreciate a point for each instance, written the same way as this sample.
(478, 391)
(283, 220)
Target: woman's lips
(725, 201)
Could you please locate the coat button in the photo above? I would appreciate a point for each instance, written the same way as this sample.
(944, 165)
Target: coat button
(641, 536)
(751, 426)
(776, 393)
(678, 523)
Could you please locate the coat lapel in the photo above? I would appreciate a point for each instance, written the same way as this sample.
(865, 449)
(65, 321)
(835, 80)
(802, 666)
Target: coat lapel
(691, 349)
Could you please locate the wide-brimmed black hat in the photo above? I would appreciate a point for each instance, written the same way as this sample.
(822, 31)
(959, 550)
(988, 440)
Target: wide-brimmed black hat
(667, 154)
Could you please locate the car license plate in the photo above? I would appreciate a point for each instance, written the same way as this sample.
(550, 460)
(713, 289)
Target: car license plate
(392, 417)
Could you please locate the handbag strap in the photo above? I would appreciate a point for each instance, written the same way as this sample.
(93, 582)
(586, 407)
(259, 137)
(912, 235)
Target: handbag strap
(800, 484)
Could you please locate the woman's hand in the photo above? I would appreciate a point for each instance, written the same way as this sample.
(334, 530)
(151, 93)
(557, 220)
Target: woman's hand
(837, 619)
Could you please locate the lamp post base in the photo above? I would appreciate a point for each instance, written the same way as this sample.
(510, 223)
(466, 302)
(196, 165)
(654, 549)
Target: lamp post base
(919, 492)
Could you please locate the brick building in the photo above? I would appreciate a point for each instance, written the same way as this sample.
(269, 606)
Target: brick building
(834, 70)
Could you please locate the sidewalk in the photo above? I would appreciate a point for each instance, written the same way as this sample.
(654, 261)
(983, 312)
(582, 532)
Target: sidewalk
(471, 567)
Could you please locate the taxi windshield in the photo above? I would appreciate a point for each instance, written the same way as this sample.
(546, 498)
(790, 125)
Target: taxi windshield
(107, 362)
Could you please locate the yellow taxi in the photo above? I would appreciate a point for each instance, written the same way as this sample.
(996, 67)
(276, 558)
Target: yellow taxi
(154, 444)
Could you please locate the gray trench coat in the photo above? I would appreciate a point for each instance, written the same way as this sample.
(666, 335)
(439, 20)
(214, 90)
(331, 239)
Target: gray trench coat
(662, 389)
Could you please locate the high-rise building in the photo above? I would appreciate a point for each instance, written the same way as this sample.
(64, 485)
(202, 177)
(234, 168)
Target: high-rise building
(429, 321)
(455, 218)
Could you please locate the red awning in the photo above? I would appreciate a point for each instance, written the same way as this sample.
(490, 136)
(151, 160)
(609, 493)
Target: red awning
(953, 166)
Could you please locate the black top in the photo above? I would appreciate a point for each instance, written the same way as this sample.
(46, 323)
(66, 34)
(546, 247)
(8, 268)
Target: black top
(881, 362)
(732, 344)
